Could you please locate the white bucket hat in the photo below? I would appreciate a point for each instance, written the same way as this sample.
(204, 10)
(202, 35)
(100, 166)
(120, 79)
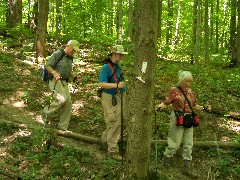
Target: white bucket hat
(75, 44)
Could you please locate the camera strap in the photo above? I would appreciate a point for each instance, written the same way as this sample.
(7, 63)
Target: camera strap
(185, 99)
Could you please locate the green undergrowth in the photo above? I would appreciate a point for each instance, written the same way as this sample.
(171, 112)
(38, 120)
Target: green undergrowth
(23, 95)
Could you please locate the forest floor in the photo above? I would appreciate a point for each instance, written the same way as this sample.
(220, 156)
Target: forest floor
(23, 138)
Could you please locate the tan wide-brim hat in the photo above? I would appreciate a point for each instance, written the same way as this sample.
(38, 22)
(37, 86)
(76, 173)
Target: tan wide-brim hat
(118, 49)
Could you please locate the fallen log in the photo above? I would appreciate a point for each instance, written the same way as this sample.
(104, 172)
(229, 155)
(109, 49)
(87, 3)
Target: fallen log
(163, 142)
(206, 144)
(233, 115)
(9, 174)
(77, 136)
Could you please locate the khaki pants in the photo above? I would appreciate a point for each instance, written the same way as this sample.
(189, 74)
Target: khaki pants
(112, 115)
(61, 101)
(176, 135)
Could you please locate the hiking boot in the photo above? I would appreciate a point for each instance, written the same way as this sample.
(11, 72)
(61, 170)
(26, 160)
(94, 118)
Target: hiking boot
(44, 118)
(104, 146)
(187, 170)
(115, 156)
(166, 161)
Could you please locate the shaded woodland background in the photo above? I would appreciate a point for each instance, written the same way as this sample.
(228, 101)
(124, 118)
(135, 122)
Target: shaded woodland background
(200, 36)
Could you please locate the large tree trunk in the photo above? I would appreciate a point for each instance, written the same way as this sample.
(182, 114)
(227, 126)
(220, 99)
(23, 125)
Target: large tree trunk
(13, 13)
(141, 102)
(40, 39)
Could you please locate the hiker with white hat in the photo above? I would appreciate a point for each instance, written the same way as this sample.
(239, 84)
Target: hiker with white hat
(59, 66)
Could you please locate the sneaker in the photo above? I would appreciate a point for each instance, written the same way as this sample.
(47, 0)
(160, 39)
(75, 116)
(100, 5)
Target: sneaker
(64, 130)
(115, 156)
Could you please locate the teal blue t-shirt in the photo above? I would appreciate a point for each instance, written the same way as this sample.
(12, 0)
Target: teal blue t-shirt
(106, 76)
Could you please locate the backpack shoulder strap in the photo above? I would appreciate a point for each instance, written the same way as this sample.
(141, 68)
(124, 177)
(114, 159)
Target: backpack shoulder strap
(62, 55)
(113, 74)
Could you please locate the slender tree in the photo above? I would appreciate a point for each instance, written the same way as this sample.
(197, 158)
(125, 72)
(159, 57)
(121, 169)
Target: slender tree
(13, 13)
(120, 26)
(40, 37)
(217, 28)
(233, 29)
(238, 34)
(159, 19)
(206, 35)
(141, 103)
(58, 16)
(176, 36)
(199, 31)
(169, 22)
(130, 20)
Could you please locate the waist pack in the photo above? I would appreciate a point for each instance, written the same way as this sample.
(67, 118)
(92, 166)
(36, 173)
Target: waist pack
(186, 120)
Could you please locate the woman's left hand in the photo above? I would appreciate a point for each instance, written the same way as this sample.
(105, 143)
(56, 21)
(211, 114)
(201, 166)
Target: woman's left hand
(208, 108)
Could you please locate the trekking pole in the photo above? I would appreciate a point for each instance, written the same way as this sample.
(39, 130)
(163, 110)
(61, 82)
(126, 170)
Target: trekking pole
(155, 137)
(50, 101)
(122, 125)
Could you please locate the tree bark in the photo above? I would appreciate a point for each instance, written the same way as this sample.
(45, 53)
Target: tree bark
(13, 13)
(233, 34)
(159, 19)
(58, 17)
(169, 23)
(130, 20)
(206, 35)
(141, 102)
(199, 31)
(40, 39)
(120, 26)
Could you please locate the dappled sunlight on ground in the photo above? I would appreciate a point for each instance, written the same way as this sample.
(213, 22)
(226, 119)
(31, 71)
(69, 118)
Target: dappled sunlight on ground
(23, 71)
(76, 106)
(231, 125)
(235, 126)
(38, 119)
(16, 99)
(12, 137)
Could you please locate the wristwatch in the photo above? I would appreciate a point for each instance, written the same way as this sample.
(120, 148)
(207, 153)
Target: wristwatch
(53, 72)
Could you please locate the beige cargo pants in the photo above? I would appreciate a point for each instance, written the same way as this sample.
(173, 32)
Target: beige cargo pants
(112, 115)
(61, 101)
(176, 135)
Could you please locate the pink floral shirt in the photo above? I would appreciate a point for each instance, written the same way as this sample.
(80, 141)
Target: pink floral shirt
(177, 99)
